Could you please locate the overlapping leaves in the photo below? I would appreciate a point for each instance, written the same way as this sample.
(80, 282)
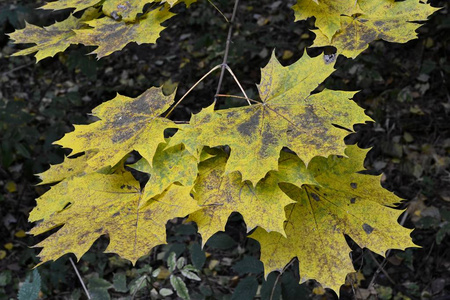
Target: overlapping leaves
(220, 195)
(125, 124)
(107, 205)
(52, 39)
(280, 162)
(351, 25)
(109, 34)
(293, 207)
(287, 116)
(343, 202)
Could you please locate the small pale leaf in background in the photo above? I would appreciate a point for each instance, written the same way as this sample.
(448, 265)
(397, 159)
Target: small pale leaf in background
(180, 287)
(29, 290)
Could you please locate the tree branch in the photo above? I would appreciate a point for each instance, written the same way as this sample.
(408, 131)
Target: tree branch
(227, 48)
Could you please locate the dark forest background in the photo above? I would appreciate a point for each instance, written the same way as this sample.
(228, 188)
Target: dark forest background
(403, 87)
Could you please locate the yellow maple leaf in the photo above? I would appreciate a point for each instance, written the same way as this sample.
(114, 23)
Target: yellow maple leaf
(189, 134)
(111, 35)
(129, 9)
(288, 116)
(220, 195)
(174, 164)
(52, 39)
(106, 205)
(346, 202)
(327, 13)
(125, 124)
(64, 4)
(385, 19)
(69, 167)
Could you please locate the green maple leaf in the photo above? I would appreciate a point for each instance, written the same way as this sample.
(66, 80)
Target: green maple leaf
(345, 202)
(385, 19)
(292, 170)
(327, 13)
(64, 4)
(190, 134)
(106, 204)
(288, 116)
(173, 164)
(52, 39)
(220, 195)
(125, 124)
(111, 35)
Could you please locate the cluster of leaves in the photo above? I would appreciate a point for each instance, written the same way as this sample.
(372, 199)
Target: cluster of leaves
(280, 162)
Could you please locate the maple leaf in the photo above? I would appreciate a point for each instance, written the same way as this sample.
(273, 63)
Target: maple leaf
(64, 4)
(174, 164)
(327, 13)
(111, 36)
(68, 168)
(106, 204)
(125, 124)
(388, 20)
(128, 9)
(289, 116)
(190, 134)
(220, 195)
(292, 170)
(52, 39)
(346, 202)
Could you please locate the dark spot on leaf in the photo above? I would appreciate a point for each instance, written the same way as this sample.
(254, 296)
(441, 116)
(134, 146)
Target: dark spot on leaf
(316, 188)
(367, 228)
(124, 134)
(249, 127)
(315, 197)
(116, 214)
(129, 187)
(122, 186)
(353, 185)
(69, 169)
(206, 119)
(231, 114)
(268, 140)
(115, 15)
(378, 23)
(353, 200)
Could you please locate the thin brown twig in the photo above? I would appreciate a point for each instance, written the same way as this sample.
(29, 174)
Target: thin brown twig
(17, 69)
(238, 83)
(220, 12)
(235, 96)
(79, 278)
(381, 267)
(193, 87)
(227, 47)
(383, 263)
(278, 278)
